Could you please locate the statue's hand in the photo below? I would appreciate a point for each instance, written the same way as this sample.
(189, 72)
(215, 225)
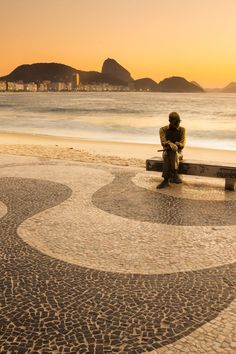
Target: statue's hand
(173, 146)
(180, 146)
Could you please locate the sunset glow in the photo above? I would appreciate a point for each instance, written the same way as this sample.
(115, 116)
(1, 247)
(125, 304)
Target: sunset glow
(150, 38)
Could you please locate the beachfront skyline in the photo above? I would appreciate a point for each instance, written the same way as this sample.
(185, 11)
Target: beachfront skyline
(150, 38)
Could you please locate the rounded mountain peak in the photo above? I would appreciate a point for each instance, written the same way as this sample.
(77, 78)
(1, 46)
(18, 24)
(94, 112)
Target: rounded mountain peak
(178, 84)
(112, 68)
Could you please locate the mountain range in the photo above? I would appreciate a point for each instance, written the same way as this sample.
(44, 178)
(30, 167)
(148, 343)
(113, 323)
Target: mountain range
(112, 72)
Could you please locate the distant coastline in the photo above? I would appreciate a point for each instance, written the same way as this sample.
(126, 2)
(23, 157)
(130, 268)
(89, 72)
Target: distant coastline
(55, 77)
(113, 77)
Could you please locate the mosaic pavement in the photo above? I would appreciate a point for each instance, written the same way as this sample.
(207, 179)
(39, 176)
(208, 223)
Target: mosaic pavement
(93, 262)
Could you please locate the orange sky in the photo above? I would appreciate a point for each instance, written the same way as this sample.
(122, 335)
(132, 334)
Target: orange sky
(151, 38)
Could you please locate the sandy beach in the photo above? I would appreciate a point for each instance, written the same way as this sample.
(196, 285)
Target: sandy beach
(116, 153)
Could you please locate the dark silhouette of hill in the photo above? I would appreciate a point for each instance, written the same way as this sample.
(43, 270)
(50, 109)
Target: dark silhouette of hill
(230, 88)
(57, 72)
(41, 72)
(145, 84)
(196, 84)
(112, 68)
(112, 73)
(178, 84)
(90, 77)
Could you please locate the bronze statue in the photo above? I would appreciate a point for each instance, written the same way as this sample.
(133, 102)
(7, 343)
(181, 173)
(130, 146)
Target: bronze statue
(173, 138)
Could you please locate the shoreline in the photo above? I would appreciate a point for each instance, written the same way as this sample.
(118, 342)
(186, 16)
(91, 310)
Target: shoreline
(124, 153)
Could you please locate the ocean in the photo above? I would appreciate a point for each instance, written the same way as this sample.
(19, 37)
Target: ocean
(210, 118)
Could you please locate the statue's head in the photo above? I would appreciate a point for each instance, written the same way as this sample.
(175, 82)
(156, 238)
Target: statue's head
(174, 119)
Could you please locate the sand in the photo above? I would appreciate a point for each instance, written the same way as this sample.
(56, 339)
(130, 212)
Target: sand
(116, 153)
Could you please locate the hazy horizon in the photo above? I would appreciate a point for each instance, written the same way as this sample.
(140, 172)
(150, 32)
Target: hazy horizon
(150, 38)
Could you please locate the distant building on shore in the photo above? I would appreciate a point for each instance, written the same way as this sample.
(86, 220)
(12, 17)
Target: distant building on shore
(59, 86)
(15, 86)
(3, 86)
(73, 85)
(43, 86)
(56, 86)
(30, 87)
(75, 81)
(102, 87)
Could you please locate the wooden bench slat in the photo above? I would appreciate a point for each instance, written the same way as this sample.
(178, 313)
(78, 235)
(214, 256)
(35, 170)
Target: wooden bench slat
(199, 168)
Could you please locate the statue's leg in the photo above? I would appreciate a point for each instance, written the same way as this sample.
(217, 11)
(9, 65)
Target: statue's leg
(166, 165)
(165, 172)
(174, 161)
(174, 158)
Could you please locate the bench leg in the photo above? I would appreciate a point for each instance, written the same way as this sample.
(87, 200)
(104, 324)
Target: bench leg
(230, 184)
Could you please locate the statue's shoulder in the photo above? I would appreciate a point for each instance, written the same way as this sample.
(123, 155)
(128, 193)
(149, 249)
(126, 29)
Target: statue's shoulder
(164, 128)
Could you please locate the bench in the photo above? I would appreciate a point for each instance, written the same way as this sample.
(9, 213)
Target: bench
(199, 168)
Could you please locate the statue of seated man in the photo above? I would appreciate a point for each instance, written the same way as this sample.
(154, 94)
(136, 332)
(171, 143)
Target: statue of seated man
(173, 138)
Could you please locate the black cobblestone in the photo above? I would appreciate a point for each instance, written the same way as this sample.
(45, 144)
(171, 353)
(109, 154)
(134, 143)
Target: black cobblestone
(49, 305)
(122, 197)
